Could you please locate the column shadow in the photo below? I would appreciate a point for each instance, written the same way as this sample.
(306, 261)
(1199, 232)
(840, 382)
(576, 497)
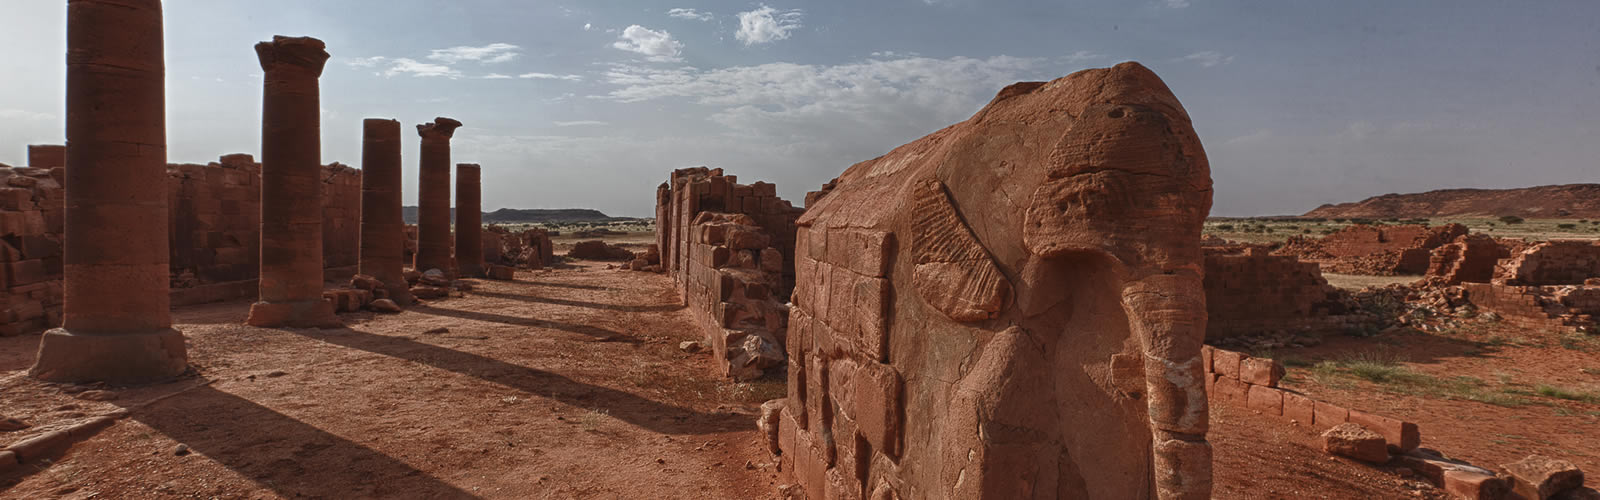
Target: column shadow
(592, 331)
(288, 456)
(649, 414)
(579, 303)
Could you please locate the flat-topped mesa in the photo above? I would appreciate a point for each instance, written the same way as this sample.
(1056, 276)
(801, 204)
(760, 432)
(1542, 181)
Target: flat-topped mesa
(291, 187)
(116, 324)
(469, 220)
(1010, 307)
(433, 196)
(383, 227)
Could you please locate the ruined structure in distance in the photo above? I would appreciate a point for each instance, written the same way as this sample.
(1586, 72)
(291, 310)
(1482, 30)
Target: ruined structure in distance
(1007, 308)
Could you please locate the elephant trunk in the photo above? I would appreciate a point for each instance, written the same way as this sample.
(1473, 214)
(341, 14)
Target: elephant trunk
(1167, 311)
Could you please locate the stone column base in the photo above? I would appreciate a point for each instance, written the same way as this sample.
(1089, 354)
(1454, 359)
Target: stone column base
(117, 358)
(401, 295)
(309, 314)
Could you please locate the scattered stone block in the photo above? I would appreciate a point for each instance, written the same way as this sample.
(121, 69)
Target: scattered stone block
(1402, 436)
(1541, 477)
(1470, 485)
(384, 306)
(1260, 371)
(1354, 441)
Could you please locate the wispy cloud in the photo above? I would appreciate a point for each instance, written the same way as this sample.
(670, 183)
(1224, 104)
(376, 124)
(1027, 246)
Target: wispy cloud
(550, 76)
(488, 54)
(1175, 4)
(767, 25)
(690, 14)
(405, 66)
(1207, 58)
(495, 76)
(580, 123)
(659, 46)
(365, 62)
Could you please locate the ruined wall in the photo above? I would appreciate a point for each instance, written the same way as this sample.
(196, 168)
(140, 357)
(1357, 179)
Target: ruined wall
(341, 216)
(1250, 292)
(969, 308)
(31, 201)
(1559, 262)
(1375, 250)
(730, 278)
(1237, 379)
(1471, 258)
(1560, 308)
(526, 249)
(689, 191)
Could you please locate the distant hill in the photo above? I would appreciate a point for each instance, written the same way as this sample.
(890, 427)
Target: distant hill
(530, 215)
(1558, 201)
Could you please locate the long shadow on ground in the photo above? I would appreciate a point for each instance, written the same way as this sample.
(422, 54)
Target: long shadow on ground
(290, 457)
(579, 303)
(637, 410)
(592, 331)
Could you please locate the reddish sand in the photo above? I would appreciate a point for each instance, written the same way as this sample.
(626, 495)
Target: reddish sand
(562, 384)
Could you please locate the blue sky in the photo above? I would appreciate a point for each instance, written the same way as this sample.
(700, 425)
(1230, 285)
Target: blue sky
(590, 104)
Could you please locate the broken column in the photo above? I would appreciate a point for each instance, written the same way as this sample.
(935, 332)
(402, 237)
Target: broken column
(469, 220)
(291, 187)
(382, 225)
(433, 195)
(116, 325)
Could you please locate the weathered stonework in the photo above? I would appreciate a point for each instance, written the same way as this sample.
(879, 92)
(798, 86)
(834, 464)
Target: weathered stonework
(291, 176)
(116, 326)
(433, 196)
(1471, 258)
(1011, 307)
(1559, 262)
(1375, 250)
(1551, 307)
(730, 246)
(1249, 292)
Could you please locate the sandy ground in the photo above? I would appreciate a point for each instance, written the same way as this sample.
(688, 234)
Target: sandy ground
(561, 384)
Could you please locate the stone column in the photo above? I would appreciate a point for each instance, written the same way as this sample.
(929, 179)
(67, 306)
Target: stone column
(47, 155)
(469, 220)
(433, 196)
(291, 187)
(383, 229)
(116, 326)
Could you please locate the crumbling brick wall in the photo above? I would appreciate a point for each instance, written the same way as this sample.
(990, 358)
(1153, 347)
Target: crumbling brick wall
(731, 248)
(1471, 258)
(1250, 292)
(1379, 250)
(31, 201)
(1239, 380)
(1558, 262)
(529, 248)
(1555, 307)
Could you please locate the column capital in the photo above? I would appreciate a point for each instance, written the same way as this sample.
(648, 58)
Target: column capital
(440, 128)
(303, 52)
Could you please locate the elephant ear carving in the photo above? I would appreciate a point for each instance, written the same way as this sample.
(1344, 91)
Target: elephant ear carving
(954, 272)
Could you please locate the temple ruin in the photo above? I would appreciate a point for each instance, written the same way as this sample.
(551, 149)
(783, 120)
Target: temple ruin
(433, 196)
(382, 225)
(469, 214)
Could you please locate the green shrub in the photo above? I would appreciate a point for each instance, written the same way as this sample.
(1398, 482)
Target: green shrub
(1510, 219)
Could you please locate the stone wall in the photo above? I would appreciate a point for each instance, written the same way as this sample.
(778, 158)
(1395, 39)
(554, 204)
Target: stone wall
(214, 239)
(31, 201)
(730, 277)
(1559, 262)
(1471, 258)
(529, 248)
(1376, 250)
(1237, 379)
(689, 191)
(1249, 292)
(731, 249)
(1563, 308)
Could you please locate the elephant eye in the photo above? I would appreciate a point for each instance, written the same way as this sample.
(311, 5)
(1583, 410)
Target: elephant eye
(1115, 113)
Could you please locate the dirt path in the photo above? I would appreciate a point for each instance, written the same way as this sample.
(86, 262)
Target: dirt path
(562, 384)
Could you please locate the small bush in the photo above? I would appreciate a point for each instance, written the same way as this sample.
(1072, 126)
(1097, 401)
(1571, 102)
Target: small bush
(1510, 219)
(1224, 227)
(1567, 226)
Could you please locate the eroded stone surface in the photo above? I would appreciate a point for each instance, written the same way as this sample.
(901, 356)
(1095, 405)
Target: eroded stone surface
(383, 233)
(1010, 307)
(469, 220)
(433, 195)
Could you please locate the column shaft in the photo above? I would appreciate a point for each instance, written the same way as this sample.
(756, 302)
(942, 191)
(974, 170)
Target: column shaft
(469, 220)
(382, 225)
(433, 196)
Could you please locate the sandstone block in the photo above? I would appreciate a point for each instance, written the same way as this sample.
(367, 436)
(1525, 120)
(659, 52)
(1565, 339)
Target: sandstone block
(1267, 400)
(1260, 371)
(1227, 363)
(1470, 485)
(1354, 441)
(1402, 436)
(1299, 409)
(1541, 477)
(1328, 415)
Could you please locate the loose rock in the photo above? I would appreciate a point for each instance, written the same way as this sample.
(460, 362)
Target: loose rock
(1357, 442)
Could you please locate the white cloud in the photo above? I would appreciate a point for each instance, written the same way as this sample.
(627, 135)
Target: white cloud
(1207, 58)
(580, 123)
(588, 26)
(657, 45)
(549, 76)
(404, 66)
(766, 25)
(366, 62)
(495, 76)
(1175, 4)
(487, 54)
(22, 114)
(690, 14)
